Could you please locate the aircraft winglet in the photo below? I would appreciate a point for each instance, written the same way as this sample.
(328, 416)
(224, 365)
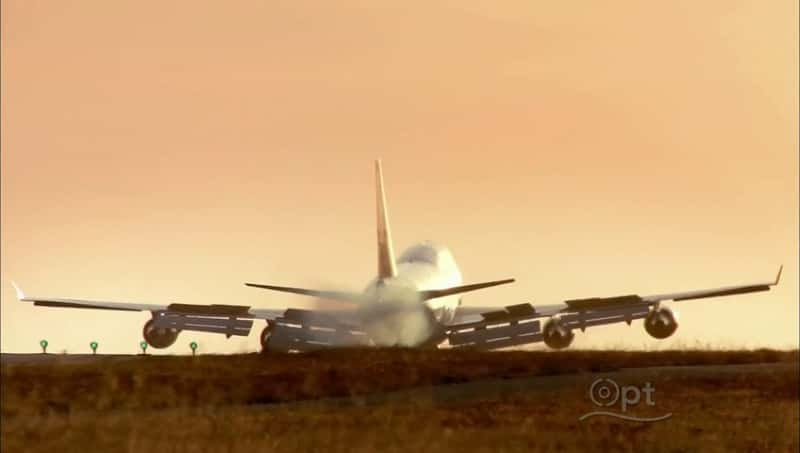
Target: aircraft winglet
(778, 277)
(20, 294)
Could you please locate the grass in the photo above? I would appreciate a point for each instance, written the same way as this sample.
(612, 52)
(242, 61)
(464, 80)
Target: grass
(216, 403)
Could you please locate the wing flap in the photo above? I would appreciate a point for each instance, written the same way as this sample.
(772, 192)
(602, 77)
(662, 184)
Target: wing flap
(596, 303)
(517, 326)
(210, 310)
(214, 323)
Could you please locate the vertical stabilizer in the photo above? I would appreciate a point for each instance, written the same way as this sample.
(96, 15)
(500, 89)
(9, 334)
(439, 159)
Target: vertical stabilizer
(386, 265)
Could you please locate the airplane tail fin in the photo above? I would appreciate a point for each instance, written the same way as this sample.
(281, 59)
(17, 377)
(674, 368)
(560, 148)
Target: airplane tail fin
(386, 263)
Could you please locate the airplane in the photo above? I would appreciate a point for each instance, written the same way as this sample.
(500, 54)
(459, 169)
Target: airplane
(413, 301)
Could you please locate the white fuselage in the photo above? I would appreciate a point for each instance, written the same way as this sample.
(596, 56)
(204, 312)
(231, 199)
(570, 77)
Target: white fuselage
(394, 314)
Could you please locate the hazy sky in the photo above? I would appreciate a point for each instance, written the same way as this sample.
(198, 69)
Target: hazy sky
(169, 151)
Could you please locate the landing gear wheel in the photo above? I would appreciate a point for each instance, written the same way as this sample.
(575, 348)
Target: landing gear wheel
(265, 336)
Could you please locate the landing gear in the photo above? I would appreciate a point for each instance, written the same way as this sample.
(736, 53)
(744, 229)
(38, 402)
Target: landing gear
(265, 336)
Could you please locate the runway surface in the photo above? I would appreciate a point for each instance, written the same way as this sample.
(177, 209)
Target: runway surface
(491, 387)
(580, 382)
(401, 400)
(36, 359)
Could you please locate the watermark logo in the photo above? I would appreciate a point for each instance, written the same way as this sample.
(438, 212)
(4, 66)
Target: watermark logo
(616, 401)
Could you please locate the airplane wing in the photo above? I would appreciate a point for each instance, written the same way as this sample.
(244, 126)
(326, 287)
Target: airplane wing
(209, 310)
(716, 292)
(82, 303)
(494, 327)
(287, 329)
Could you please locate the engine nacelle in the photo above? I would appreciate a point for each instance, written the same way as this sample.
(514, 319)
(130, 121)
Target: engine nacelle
(660, 323)
(556, 335)
(159, 337)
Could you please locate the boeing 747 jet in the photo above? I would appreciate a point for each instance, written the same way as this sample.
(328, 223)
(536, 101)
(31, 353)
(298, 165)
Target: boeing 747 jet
(413, 301)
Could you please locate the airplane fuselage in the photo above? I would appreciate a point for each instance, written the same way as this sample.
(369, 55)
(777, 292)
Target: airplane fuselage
(394, 315)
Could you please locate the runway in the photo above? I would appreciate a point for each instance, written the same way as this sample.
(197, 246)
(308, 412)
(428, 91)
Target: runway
(60, 359)
(522, 386)
(489, 386)
(401, 400)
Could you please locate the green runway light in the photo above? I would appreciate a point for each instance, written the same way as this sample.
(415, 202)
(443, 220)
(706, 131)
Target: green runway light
(193, 345)
(93, 345)
(43, 344)
(143, 345)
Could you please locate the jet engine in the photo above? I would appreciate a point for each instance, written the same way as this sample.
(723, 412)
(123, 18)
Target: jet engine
(159, 337)
(556, 335)
(660, 323)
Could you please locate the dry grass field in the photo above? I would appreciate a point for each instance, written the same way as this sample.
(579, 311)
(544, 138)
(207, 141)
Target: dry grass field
(400, 400)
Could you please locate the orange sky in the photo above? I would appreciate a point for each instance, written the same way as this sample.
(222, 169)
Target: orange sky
(169, 151)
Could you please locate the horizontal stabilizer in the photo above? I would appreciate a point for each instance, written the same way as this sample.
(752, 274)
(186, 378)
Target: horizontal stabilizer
(334, 295)
(434, 293)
